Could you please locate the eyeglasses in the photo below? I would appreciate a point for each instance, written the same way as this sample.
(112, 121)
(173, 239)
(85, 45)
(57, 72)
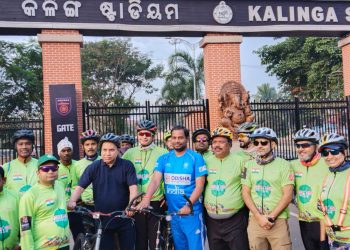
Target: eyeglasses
(202, 140)
(46, 169)
(303, 145)
(241, 135)
(332, 152)
(263, 143)
(147, 134)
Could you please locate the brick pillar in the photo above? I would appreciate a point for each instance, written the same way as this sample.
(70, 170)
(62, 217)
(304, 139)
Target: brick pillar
(61, 65)
(344, 44)
(221, 64)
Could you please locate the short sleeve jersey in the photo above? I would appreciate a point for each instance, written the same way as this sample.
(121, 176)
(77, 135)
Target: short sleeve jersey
(9, 223)
(266, 183)
(223, 192)
(20, 176)
(43, 218)
(180, 173)
(65, 176)
(144, 162)
(308, 184)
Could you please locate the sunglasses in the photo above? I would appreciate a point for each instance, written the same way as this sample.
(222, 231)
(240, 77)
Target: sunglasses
(46, 169)
(303, 145)
(332, 152)
(263, 143)
(202, 140)
(147, 134)
(242, 136)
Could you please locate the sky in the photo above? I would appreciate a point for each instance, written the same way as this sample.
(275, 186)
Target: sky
(159, 49)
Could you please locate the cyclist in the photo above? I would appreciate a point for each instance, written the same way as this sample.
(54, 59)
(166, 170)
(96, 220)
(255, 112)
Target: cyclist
(126, 142)
(42, 210)
(144, 158)
(334, 198)
(20, 173)
(89, 140)
(184, 172)
(267, 190)
(227, 216)
(309, 170)
(201, 140)
(167, 141)
(9, 224)
(247, 149)
(114, 185)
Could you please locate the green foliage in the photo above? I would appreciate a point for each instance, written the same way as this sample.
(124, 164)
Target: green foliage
(266, 93)
(310, 67)
(183, 71)
(113, 71)
(21, 80)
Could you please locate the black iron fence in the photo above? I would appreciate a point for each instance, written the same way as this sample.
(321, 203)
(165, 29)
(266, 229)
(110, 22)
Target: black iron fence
(7, 129)
(122, 120)
(287, 117)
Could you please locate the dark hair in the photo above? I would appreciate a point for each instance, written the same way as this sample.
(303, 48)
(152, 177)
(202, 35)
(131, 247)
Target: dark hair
(183, 128)
(2, 173)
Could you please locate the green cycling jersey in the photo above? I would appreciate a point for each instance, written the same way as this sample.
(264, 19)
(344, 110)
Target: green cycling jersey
(266, 183)
(144, 162)
(9, 223)
(20, 176)
(43, 218)
(65, 176)
(223, 194)
(308, 185)
(80, 166)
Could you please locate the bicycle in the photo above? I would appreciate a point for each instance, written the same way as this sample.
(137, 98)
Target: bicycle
(168, 241)
(91, 239)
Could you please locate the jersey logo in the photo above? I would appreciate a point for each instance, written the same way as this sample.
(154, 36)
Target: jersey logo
(177, 179)
(49, 202)
(138, 161)
(176, 190)
(17, 177)
(255, 170)
(26, 223)
(63, 105)
(63, 176)
(202, 168)
(212, 171)
(298, 174)
(244, 173)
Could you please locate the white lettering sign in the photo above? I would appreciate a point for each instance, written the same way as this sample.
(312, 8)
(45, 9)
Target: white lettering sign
(154, 11)
(177, 179)
(65, 128)
(29, 7)
(106, 9)
(135, 9)
(50, 7)
(71, 8)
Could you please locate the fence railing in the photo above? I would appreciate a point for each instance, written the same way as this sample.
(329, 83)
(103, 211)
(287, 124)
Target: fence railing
(287, 117)
(122, 120)
(7, 129)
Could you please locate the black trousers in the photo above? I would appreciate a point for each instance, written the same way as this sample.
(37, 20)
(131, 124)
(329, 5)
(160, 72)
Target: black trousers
(146, 228)
(75, 222)
(310, 234)
(230, 233)
(125, 229)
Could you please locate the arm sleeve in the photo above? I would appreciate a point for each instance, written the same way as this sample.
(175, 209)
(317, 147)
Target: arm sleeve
(5, 167)
(130, 174)
(159, 167)
(26, 217)
(87, 176)
(200, 167)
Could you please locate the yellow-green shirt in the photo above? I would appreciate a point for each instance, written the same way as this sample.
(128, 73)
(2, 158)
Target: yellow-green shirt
(65, 176)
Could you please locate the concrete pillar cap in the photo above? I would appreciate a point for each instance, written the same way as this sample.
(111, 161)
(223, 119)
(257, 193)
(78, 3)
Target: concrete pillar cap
(220, 39)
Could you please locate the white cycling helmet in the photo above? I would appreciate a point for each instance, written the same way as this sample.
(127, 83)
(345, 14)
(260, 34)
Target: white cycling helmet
(307, 134)
(264, 132)
(333, 140)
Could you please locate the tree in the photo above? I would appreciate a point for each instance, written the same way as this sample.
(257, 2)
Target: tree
(266, 93)
(183, 71)
(305, 66)
(113, 71)
(21, 80)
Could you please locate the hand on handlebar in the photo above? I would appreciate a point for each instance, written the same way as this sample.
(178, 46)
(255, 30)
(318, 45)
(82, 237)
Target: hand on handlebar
(185, 210)
(71, 205)
(145, 203)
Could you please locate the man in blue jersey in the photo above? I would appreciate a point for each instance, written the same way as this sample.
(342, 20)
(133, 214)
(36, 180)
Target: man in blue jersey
(184, 172)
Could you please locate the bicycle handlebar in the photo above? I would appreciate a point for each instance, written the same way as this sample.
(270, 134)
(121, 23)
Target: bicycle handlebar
(84, 211)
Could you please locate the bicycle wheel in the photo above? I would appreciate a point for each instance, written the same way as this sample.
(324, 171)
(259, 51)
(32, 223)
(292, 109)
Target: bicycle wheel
(83, 243)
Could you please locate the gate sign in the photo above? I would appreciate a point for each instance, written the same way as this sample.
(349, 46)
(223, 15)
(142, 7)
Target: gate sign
(64, 122)
(176, 17)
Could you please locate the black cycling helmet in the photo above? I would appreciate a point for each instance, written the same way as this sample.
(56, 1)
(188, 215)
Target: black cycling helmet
(200, 131)
(110, 137)
(127, 138)
(23, 134)
(89, 134)
(147, 125)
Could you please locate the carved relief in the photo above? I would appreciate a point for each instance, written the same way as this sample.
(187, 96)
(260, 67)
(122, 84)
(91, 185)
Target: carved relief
(234, 106)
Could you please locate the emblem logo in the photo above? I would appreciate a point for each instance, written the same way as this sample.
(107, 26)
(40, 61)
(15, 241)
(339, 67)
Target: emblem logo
(63, 105)
(222, 13)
